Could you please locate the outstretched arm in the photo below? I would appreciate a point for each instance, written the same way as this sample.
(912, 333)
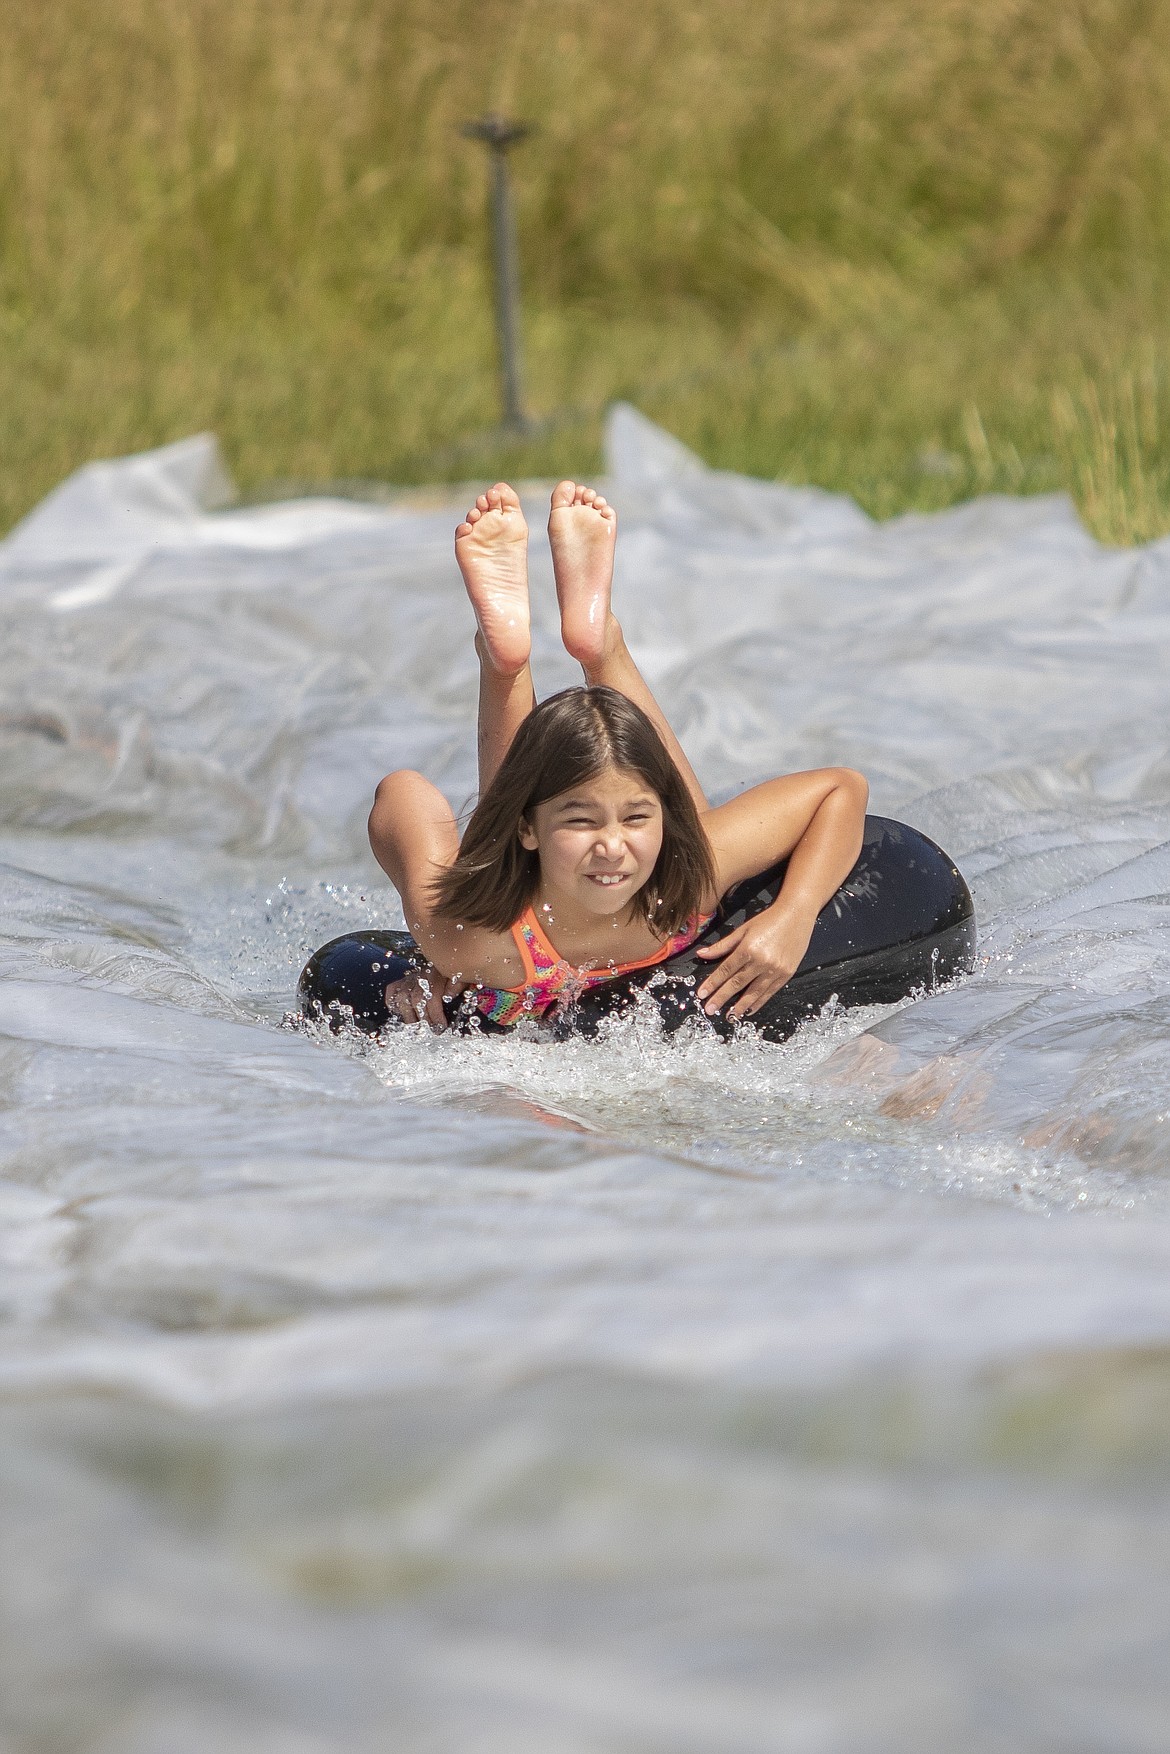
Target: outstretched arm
(815, 820)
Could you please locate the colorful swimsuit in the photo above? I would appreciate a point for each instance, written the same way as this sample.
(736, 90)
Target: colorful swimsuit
(550, 980)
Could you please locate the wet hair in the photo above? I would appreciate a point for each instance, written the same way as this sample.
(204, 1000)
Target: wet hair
(564, 742)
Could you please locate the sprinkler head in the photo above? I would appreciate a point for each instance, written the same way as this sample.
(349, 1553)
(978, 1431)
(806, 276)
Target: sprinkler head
(496, 131)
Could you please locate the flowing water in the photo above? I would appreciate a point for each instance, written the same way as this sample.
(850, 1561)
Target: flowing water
(501, 1397)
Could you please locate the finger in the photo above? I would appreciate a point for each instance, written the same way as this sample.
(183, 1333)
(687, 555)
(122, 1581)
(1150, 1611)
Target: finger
(751, 999)
(721, 945)
(766, 985)
(753, 985)
(712, 994)
(735, 963)
(398, 1001)
(434, 1013)
(725, 987)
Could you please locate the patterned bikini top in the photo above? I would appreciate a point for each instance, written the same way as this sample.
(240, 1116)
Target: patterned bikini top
(550, 980)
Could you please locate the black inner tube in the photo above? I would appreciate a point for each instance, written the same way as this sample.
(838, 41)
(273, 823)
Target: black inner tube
(902, 921)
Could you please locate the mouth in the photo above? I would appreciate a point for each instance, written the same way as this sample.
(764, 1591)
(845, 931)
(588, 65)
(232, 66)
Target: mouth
(608, 879)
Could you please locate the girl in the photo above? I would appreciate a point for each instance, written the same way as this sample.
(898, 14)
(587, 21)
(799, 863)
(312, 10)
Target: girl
(592, 849)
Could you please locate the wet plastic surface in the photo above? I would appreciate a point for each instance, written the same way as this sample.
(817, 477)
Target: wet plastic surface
(630, 1396)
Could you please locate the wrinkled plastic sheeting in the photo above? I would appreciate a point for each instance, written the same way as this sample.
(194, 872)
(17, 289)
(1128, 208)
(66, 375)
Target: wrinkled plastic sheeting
(593, 1374)
(115, 510)
(103, 523)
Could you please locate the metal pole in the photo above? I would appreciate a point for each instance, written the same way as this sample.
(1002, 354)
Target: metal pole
(498, 135)
(507, 289)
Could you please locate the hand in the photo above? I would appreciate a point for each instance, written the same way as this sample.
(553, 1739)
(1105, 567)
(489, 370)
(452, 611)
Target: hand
(755, 961)
(420, 995)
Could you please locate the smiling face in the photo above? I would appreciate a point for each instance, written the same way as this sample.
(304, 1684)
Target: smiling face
(598, 843)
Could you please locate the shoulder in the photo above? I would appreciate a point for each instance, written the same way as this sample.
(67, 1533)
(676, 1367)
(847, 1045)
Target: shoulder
(471, 953)
(724, 828)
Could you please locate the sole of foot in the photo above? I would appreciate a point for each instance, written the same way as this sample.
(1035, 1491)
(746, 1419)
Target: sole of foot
(491, 546)
(582, 530)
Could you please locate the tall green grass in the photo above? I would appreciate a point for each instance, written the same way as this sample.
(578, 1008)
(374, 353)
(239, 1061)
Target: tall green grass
(914, 250)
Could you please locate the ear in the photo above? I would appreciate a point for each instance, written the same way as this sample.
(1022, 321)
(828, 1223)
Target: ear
(526, 835)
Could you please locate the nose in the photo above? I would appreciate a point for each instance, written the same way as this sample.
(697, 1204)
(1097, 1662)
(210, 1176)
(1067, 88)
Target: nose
(609, 841)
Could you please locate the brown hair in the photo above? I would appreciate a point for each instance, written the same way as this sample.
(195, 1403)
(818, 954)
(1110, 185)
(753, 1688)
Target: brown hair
(569, 739)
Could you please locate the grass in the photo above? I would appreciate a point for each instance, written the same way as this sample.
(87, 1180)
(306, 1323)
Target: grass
(912, 251)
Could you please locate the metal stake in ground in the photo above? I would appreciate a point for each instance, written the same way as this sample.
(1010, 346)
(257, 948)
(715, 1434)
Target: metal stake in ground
(498, 135)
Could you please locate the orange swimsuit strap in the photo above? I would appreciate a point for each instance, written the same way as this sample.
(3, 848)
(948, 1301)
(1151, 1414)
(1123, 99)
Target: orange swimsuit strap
(549, 978)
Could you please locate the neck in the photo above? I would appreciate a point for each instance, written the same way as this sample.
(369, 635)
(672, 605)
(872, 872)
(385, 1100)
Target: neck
(566, 922)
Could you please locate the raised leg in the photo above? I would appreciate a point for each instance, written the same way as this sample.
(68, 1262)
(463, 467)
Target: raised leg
(582, 530)
(491, 546)
(506, 697)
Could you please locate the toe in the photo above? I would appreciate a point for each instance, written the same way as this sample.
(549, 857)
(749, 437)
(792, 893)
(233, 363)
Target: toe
(563, 492)
(502, 498)
(462, 530)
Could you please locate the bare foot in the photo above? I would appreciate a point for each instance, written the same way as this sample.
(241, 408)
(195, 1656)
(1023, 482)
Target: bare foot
(491, 546)
(582, 529)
